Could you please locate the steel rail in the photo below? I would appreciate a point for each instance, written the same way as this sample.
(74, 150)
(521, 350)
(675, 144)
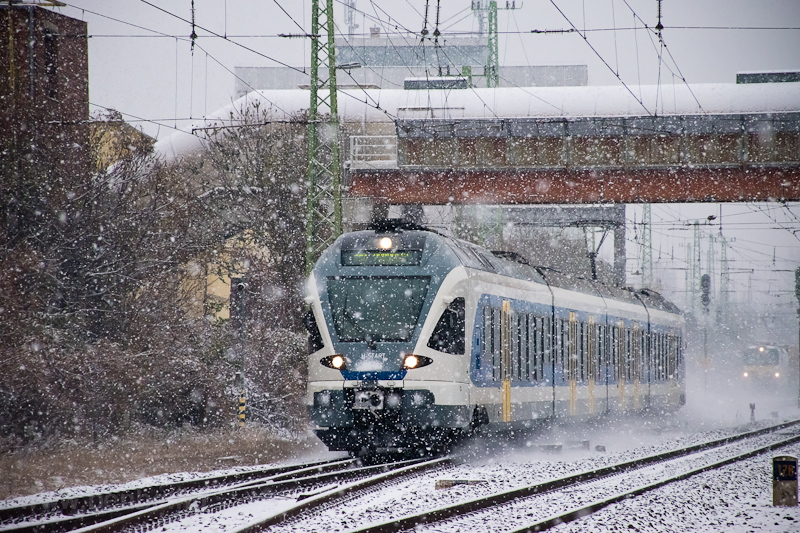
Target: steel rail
(587, 510)
(329, 497)
(229, 496)
(90, 509)
(102, 500)
(494, 500)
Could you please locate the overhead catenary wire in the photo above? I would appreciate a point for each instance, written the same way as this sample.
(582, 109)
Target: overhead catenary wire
(658, 29)
(265, 56)
(177, 38)
(639, 100)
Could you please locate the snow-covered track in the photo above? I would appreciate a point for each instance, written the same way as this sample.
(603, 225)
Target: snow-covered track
(66, 514)
(284, 485)
(330, 498)
(565, 489)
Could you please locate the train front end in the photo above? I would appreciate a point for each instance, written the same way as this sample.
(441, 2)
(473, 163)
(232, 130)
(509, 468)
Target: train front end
(374, 384)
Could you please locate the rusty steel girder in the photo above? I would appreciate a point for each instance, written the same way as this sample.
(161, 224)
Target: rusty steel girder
(524, 186)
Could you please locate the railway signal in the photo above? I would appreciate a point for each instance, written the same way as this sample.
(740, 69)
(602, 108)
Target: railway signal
(705, 288)
(705, 299)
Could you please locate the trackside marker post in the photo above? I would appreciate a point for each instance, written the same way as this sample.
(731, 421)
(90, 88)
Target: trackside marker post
(242, 409)
(784, 481)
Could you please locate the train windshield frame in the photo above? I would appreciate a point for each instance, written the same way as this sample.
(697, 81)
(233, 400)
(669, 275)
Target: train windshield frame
(376, 308)
(756, 357)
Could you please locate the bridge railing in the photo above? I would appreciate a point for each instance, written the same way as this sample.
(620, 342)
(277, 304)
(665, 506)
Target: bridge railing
(373, 152)
(717, 141)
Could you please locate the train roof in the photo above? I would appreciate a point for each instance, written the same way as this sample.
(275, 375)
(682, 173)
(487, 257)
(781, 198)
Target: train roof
(512, 264)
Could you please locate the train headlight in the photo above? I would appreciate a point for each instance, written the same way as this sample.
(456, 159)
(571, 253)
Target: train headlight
(337, 362)
(745, 374)
(385, 243)
(777, 374)
(415, 361)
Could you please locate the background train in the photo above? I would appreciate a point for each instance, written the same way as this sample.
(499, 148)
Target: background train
(773, 366)
(416, 339)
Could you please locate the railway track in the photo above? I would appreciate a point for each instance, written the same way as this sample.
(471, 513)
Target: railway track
(572, 494)
(309, 486)
(66, 514)
(308, 491)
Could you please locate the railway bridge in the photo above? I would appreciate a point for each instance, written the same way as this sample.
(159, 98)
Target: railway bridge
(743, 149)
(544, 145)
(605, 146)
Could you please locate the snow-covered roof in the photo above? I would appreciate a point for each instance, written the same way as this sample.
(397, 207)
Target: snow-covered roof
(386, 105)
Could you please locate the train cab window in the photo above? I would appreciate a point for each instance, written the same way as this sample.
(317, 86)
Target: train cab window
(449, 333)
(314, 337)
(376, 309)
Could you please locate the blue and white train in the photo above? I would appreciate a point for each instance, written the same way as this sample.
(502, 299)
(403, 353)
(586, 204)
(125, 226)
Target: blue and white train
(417, 339)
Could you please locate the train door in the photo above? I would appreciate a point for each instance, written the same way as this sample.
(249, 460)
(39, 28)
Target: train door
(505, 358)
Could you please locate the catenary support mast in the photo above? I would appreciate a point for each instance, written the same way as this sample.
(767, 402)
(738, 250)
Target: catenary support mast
(324, 196)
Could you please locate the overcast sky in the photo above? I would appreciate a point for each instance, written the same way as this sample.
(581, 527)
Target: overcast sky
(137, 71)
(142, 65)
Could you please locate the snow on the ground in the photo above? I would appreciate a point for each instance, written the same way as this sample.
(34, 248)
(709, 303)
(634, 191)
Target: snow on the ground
(161, 479)
(523, 465)
(734, 499)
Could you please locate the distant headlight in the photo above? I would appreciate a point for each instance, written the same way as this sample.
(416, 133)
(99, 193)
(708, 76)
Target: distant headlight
(745, 374)
(777, 374)
(415, 361)
(337, 362)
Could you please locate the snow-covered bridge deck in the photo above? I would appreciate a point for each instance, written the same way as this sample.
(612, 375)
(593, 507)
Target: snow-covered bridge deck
(720, 142)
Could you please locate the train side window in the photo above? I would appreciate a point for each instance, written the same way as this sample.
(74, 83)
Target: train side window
(548, 340)
(583, 351)
(448, 335)
(599, 351)
(628, 355)
(516, 346)
(528, 348)
(536, 351)
(486, 334)
(538, 347)
(559, 344)
(673, 356)
(520, 322)
(497, 339)
(613, 350)
(314, 336)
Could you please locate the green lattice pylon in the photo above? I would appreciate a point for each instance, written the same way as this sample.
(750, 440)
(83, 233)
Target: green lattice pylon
(647, 247)
(493, 59)
(324, 194)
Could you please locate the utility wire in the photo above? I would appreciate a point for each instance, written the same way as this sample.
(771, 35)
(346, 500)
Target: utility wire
(600, 57)
(226, 38)
(138, 118)
(288, 15)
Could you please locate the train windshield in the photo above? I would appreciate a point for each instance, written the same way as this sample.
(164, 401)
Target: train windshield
(762, 356)
(371, 309)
